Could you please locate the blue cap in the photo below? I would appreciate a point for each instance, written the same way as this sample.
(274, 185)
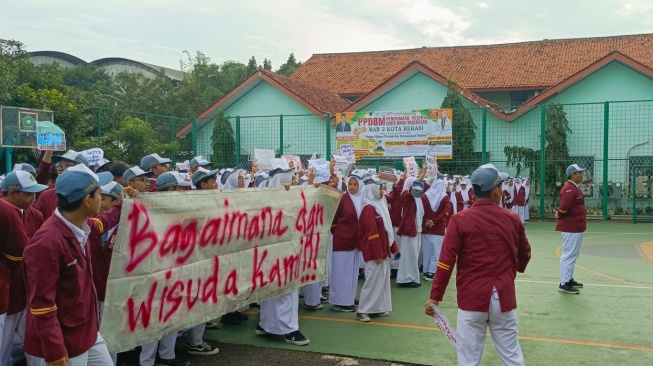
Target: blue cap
(152, 160)
(71, 155)
(112, 189)
(202, 173)
(25, 167)
(100, 163)
(79, 181)
(170, 180)
(573, 168)
(199, 161)
(21, 181)
(134, 172)
(487, 177)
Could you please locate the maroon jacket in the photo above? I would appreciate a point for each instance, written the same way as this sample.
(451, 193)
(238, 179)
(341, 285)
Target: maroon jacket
(345, 225)
(438, 217)
(393, 201)
(506, 197)
(572, 210)
(488, 246)
(43, 173)
(32, 221)
(47, 203)
(372, 237)
(101, 252)
(152, 187)
(12, 243)
(62, 318)
(520, 197)
(407, 226)
(459, 200)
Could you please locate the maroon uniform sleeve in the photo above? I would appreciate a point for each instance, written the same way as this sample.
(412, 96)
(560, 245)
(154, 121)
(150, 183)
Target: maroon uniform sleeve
(335, 217)
(43, 174)
(42, 274)
(370, 240)
(523, 251)
(448, 256)
(567, 197)
(106, 220)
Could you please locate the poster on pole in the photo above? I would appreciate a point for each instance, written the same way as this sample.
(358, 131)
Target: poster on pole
(182, 258)
(376, 134)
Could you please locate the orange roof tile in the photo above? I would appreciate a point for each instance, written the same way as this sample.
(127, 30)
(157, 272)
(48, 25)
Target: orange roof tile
(322, 100)
(537, 65)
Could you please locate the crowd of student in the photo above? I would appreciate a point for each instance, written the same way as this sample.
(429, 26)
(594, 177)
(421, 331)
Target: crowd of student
(54, 218)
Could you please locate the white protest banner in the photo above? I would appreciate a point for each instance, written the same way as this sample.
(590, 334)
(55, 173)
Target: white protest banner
(432, 169)
(295, 160)
(321, 167)
(264, 156)
(411, 166)
(399, 133)
(341, 162)
(347, 150)
(445, 327)
(182, 258)
(279, 163)
(93, 155)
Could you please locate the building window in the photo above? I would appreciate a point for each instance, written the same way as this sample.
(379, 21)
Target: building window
(518, 97)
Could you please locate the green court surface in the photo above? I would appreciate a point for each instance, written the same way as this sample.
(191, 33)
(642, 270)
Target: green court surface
(609, 323)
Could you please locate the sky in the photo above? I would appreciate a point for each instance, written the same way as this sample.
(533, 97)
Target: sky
(159, 31)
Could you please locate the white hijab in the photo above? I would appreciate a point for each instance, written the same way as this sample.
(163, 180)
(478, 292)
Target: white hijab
(372, 197)
(419, 215)
(232, 179)
(358, 197)
(280, 179)
(517, 185)
(435, 194)
(527, 188)
(464, 193)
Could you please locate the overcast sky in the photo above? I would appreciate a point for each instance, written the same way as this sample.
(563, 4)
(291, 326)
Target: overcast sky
(158, 31)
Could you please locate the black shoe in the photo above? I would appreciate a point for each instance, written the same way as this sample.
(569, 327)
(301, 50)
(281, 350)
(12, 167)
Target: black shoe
(173, 362)
(356, 302)
(241, 316)
(346, 309)
(297, 338)
(260, 331)
(315, 307)
(393, 273)
(325, 289)
(568, 289)
(323, 299)
(410, 285)
(575, 284)
(428, 276)
(301, 297)
(203, 349)
(212, 325)
(230, 319)
(254, 305)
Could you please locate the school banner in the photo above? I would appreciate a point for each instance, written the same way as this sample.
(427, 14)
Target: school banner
(425, 132)
(182, 258)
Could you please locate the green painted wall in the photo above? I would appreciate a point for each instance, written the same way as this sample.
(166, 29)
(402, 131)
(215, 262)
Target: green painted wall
(501, 99)
(418, 92)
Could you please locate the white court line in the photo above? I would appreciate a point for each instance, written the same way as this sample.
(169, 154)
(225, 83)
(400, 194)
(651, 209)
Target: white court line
(587, 284)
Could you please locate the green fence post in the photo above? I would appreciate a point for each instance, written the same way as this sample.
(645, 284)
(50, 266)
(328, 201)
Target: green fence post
(542, 161)
(606, 130)
(237, 140)
(172, 137)
(328, 137)
(281, 134)
(194, 136)
(634, 193)
(99, 122)
(484, 139)
(377, 165)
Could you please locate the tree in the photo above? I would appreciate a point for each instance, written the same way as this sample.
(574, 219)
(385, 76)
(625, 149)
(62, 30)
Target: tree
(556, 151)
(223, 142)
(290, 66)
(252, 66)
(464, 157)
(132, 140)
(267, 65)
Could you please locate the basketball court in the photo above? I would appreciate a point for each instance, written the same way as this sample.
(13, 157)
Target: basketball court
(609, 323)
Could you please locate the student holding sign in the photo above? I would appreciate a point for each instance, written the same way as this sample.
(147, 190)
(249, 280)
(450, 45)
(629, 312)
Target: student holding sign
(437, 207)
(486, 271)
(410, 229)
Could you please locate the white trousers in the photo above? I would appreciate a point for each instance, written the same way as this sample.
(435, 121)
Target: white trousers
(527, 214)
(375, 294)
(343, 279)
(571, 243)
(14, 327)
(114, 356)
(431, 247)
(98, 355)
(313, 293)
(165, 346)
(195, 334)
(394, 263)
(280, 315)
(409, 261)
(473, 325)
(521, 211)
(3, 318)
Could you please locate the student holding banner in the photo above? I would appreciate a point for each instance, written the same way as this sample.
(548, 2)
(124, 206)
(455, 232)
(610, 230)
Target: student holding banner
(486, 271)
(436, 210)
(376, 242)
(343, 278)
(18, 223)
(410, 229)
(280, 315)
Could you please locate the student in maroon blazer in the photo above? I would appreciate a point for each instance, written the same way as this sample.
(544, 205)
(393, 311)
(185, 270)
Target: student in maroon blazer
(489, 246)
(571, 225)
(156, 165)
(47, 201)
(21, 189)
(437, 207)
(395, 215)
(464, 197)
(62, 323)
